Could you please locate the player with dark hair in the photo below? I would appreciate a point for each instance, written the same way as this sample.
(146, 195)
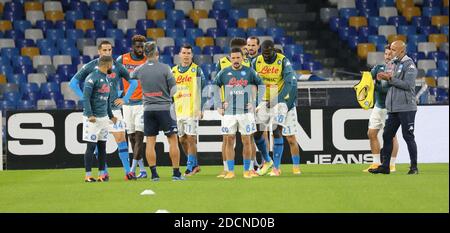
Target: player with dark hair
(118, 72)
(133, 112)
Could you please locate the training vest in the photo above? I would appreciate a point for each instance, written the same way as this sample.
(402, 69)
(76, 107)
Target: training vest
(187, 99)
(131, 65)
(365, 90)
(271, 74)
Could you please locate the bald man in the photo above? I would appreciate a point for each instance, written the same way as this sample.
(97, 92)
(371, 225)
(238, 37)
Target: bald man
(401, 106)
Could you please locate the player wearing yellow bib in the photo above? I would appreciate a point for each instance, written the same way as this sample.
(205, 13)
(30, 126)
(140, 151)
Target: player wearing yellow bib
(277, 74)
(190, 81)
(223, 63)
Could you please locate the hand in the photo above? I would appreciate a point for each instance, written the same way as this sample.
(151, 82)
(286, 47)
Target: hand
(225, 105)
(384, 76)
(119, 102)
(114, 120)
(92, 119)
(221, 111)
(250, 107)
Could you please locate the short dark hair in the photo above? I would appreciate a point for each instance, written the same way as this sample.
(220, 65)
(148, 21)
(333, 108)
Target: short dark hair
(138, 38)
(236, 50)
(104, 60)
(186, 46)
(388, 46)
(267, 43)
(150, 49)
(102, 43)
(254, 38)
(277, 50)
(238, 42)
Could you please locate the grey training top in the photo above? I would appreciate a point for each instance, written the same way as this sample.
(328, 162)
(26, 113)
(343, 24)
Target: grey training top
(158, 85)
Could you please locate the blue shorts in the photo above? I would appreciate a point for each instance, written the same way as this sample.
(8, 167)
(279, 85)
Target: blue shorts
(155, 121)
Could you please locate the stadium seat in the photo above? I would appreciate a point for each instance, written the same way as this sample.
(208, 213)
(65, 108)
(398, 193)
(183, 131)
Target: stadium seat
(12, 96)
(407, 30)
(416, 56)
(94, 34)
(34, 34)
(165, 24)
(3, 79)
(392, 38)
(26, 105)
(435, 73)
(74, 34)
(246, 23)
(222, 41)
(426, 47)
(174, 32)
(410, 12)
(17, 79)
(37, 78)
(7, 43)
(185, 23)
(203, 5)
(34, 16)
(64, 25)
(155, 33)
(194, 33)
(204, 41)
(5, 25)
(439, 21)
(171, 50)
(211, 50)
(236, 32)
(335, 23)
(174, 15)
(327, 13)
(237, 14)
(68, 105)
(98, 6)
(114, 33)
(155, 15)
(142, 25)
(438, 39)
(90, 51)
(185, 6)
(426, 65)
(226, 23)
(387, 12)
(62, 60)
(197, 14)
(387, 30)
(431, 11)
(54, 16)
(30, 51)
(84, 24)
(115, 15)
(32, 6)
(218, 14)
(46, 69)
(265, 23)
(183, 40)
(203, 59)
(46, 104)
(206, 24)
(364, 48)
(222, 4)
(163, 42)
(357, 21)
(125, 24)
(397, 21)
(436, 56)
(54, 34)
(103, 25)
(164, 5)
(257, 13)
(402, 4)
(22, 25)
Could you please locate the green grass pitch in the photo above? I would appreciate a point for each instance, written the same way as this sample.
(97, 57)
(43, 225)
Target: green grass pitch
(320, 188)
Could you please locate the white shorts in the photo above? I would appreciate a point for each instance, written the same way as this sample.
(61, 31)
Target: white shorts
(98, 131)
(187, 126)
(377, 118)
(119, 126)
(244, 122)
(290, 128)
(275, 115)
(133, 116)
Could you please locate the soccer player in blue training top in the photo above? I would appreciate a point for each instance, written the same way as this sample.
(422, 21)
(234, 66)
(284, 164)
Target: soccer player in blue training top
(118, 72)
(237, 108)
(277, 74)
(96, 115)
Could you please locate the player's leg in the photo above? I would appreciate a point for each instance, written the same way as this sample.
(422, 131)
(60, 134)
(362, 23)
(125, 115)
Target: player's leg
(101, 145)
(169, 126)
(139, 139)
(118, 131)
(151, 129)
(253, 161)
(394, 154)
(131, 129)
(190, 129)
(376, 122)
(224, 158)
(290, 130)
(90, 137)
(278, 147)
(230, 139)
(247, 127)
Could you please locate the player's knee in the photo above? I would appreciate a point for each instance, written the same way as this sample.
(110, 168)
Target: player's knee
(291, 140)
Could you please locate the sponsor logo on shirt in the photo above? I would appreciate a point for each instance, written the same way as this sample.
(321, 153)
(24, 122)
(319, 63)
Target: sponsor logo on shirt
(153, 94)
(269, 70)
(236, 82)
(104, 89)
(182, 79)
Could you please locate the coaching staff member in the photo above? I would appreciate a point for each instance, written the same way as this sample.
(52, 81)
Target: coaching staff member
(158, 88)
(401, 106)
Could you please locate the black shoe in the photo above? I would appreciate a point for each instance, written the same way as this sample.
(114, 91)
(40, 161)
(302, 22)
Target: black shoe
(413, 171)
(380, 169)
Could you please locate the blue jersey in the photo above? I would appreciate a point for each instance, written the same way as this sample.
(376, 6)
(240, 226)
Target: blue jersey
(96, 94)
(118, 72)
(239, 88)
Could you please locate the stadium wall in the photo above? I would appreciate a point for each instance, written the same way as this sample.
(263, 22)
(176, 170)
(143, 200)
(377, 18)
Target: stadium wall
(52, 139)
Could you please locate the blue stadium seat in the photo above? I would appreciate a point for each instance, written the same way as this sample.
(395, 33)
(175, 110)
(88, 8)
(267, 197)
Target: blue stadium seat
(64, 25)
(237, 14)
(26, 105)
(94, 34)
(184, 40)
(12, 16)
(6, 105)
(174, 15)
(9, 53)
(441, 95)
(222, 5)
(290, 50)
(211, 50)
(74, 34)
(196, 50)
(431, 11)
(80, 60)
(218, 14)
(54, 34)
(275, 32)
(175, 32)
(427, 30)
(49, 87)
(24, 69)
(45, 25)
(215, 32)
(185, 23)
(236, 32)
(364, 4)
(14, 34)
(443, 65)
(353, 41)
(302, 58)
(73, 15)
(21, 25)
(25, 87)
(167, 59)
(444, 30)
(368, 12)
(17, 79)
(397, 21)
(94, 15)
(377, 21)
(345, 32)
(78, 6)
(61, 44)
(20, 43)
(367, 31)
(31, 96)
(98, 6)
(130, 33)
(71, 51)
(407, 30)
(416, 56)
(143, 24)
(420, 21)
(346, 13)
(123, 45)
(50, 51)
(312, 66)
(66, 70)
(12, 96)
(114, 33)
(255, 32)
(21, 61)
(194, 33)
(207, 69)
(165, 5)
(118, 5)
(336, 23)
(284, 40)
(68, 105)
(171, 50)
(1, 34)
(165, 24)
(436, 55)
(416, 38)
(435, 73)
(385, 3)
(224, 24)
(297, 66)
(103, 25)
(56, 96)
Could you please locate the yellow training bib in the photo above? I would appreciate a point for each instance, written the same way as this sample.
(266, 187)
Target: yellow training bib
(187, 97)
(271, 74)
(365, 91)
